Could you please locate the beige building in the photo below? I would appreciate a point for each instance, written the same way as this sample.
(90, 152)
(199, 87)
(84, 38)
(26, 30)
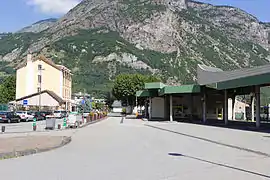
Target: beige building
(41, 77)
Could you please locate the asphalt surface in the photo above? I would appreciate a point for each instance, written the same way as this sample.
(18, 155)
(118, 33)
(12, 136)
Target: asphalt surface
(138, 150)
(23, 127)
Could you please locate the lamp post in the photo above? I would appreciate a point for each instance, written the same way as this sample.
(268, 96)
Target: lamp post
(40, 69)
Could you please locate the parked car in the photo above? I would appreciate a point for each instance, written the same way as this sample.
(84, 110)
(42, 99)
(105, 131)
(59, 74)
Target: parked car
(9, 117)
(25, 115)
(74, 120)
(60, 114)
(39, 115)
(47, 113)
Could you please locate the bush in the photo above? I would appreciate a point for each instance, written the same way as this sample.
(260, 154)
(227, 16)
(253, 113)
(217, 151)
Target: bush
(124, 110)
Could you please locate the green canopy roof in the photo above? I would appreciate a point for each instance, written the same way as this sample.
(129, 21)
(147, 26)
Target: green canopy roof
(180, 89)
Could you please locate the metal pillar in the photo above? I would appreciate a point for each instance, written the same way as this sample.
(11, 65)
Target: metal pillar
(171, 108)
(226, 107)
(150, 108)
(204, 107)
(191, 107)
(146, 109)
(252, 108)
(258, 106)
(40, 69)
(233, 104)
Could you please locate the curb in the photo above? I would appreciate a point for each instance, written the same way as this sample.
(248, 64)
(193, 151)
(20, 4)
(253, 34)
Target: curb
(66, 140)
(93, 122)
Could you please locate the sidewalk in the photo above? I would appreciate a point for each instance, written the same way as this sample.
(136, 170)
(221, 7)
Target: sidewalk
(26, 145)
(254, 142)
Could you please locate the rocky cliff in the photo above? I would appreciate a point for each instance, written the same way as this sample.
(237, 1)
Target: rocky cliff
(99, 39)
(39, 26)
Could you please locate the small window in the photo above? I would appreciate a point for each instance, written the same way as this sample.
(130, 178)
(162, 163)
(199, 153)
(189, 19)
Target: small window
(39, 67)
(38, 89)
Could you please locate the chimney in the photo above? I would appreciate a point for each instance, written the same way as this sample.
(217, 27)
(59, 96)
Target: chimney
(29, 58)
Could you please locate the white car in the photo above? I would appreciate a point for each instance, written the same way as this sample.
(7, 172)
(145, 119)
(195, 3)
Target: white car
(60, 114)
(25, 115)
(74, 120)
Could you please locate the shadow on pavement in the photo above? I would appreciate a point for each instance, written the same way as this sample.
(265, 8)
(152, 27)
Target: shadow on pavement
(220, 164)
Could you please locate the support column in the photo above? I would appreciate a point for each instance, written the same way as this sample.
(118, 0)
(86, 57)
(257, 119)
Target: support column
(204, 107)
(171, 108)
(191, 107)
(226, 107)
(146, 109)
(258, 106)
(150, 108)
(233, 103)
(252, 108)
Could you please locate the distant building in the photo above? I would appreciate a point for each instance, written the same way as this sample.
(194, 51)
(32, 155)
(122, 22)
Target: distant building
(80, 96)
(117, 106)
(77, 99)
(103, 101)
(41, 77)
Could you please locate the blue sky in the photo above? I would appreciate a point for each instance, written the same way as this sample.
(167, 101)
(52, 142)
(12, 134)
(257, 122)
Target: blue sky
(15, 14)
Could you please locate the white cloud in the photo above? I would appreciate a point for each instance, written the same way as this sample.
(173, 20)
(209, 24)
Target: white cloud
(53, 6)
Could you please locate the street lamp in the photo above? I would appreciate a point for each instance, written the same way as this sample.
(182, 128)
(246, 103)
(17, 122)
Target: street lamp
(40, 69)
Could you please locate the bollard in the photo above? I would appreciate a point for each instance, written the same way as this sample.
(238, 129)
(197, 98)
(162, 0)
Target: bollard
(82, 120)
(65, 122)
(59, 126)
(3, 129)
(34, 124)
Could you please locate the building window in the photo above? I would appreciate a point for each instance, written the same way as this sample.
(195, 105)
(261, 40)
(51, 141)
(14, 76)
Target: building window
(38, 89)
(39, 78)
(39, 67)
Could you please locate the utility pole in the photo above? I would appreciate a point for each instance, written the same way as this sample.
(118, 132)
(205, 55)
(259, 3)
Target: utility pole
(84, 104)
(40, 82)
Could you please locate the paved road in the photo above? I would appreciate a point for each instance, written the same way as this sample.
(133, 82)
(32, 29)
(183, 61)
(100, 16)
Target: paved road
(27, 126)
(111, 150)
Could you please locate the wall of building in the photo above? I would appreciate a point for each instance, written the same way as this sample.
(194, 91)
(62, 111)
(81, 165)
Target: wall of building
(58, 80)
(21, 83)
(49, 77)
(67, 83)
(157, 110)
(46, 100)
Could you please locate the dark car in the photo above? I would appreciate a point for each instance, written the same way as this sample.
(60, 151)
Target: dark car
(9, 117)
(39, 115)
(45, 113)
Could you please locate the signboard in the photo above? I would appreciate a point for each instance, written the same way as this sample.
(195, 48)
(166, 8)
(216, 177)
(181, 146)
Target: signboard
(25, 102)
(83, 101)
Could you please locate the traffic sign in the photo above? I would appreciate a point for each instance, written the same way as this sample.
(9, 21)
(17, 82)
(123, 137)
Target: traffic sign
(25, 102)
(83, 101)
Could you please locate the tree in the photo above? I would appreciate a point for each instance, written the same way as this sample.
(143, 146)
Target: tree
(126, 85)
(8, 89)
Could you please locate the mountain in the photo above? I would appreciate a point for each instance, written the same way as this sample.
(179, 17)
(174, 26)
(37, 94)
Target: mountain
(99, 39)
(39, 26)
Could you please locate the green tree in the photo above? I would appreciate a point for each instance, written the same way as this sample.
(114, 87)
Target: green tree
(126, 85)
(8, 89)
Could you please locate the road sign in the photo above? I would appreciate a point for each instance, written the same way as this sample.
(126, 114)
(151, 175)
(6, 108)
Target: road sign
(83, 101)
(25, 102)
